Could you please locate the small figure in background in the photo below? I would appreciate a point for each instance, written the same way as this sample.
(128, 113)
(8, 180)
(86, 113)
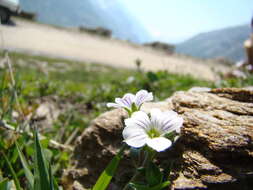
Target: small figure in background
(138, 64)
(248, 45)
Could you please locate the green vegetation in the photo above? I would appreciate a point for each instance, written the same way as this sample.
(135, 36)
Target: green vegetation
(81, 92)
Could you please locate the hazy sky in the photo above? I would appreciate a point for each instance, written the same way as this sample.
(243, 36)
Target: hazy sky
(176, 20)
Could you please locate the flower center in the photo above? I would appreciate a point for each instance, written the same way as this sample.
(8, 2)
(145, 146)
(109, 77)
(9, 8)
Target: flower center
(153, 133)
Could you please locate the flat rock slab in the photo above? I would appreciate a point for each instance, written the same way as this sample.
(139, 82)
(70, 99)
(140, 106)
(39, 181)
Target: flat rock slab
(217, 138)
(215, 150)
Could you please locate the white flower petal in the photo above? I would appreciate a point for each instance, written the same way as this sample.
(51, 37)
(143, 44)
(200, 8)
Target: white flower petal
(143, 96)
(172, 124)
(129, 96)
(136, 142)
(135, 136)
(166, 122)
(122, 103)
(126, 101)
(157, 118)
(113, 105)
(159, 144)
(129, 132)
(129, 99)
(138, 119)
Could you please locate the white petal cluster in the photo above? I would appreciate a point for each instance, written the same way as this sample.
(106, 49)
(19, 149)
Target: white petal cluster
(129, 100)
(143, 130)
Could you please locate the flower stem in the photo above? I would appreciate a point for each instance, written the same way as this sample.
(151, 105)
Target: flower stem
(144, 163)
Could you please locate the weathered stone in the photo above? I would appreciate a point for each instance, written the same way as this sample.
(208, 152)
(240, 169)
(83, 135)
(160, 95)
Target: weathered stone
(46, 110)
(46, 113)
(70, 179)
(98, 144)
(215, 150)
(161, 46)
(217, 136)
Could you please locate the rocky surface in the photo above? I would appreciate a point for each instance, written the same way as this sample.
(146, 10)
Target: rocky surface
(217, 138)
(215, 150)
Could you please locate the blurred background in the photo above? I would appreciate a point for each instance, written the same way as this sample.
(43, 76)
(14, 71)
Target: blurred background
(206, 29)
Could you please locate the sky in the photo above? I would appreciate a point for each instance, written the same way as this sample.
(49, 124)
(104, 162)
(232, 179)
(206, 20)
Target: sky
(174, 21)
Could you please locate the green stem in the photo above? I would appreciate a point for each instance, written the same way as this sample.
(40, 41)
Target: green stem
(144, 163)
(15, 178)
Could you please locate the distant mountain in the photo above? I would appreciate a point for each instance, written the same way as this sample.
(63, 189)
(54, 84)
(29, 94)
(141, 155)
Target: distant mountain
(227, 43)
(90, 13)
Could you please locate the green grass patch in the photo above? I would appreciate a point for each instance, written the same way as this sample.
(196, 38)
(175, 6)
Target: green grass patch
(87, 88)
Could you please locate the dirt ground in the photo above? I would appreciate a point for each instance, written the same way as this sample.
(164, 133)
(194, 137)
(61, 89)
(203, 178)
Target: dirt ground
(39, 39)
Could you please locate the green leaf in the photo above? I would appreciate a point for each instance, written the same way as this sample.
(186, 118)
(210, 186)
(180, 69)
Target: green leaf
(145, 187)
(15, 178)
(171, 135)
(51, 178)
(152, 76)
(106, 176)
(25, 165)
(153, 175)
(14, 156)
(56, 187)
(41, 181)
(44, 143)
(53, 183)
(5, 184)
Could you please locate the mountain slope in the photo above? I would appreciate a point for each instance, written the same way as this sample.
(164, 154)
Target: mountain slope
(90, 13)
(226, 43)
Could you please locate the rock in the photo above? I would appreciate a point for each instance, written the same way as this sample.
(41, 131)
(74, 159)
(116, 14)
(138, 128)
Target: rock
(215, 150)
(200, 89)
(46, 113)
(217, 138)
(69, 181)
(99, 31)
(77, 186)
(27, 15)
(163, 106)
(46, 110)
(98, 144)
(162, 46)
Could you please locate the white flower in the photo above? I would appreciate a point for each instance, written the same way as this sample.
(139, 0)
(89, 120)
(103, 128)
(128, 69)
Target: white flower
(143, 130)
(129, 100)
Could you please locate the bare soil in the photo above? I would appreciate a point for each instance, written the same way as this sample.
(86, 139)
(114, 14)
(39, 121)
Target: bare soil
(71, 44)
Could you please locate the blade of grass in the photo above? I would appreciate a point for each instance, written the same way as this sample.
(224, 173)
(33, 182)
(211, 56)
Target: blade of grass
(106, 176)
(13, 82)
(5, 184)
(51, 178)
(144, 187)
(15, 178)
(41, 169)
(53, 183)
(28, 172)
(53, 143)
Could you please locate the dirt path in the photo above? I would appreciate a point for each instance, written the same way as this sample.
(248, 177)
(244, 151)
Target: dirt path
(51, 41)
